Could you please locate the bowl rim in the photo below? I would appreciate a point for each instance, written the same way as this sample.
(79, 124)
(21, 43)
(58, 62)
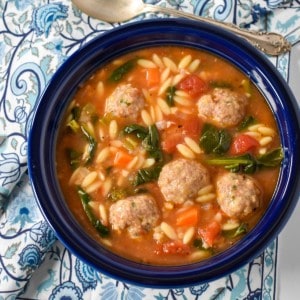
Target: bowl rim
(49, 113)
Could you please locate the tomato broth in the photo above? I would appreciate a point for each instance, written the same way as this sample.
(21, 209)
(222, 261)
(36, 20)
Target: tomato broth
(168, 155)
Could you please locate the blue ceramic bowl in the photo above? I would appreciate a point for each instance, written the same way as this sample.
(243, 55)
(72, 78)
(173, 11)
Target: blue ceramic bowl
(117, 42)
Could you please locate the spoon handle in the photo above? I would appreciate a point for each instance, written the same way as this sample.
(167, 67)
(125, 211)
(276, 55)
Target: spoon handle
(269, 42)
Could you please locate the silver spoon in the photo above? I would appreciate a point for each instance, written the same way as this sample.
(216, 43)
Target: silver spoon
(117, 11)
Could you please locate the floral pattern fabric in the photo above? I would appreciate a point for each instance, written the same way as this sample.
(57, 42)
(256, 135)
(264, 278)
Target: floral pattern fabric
(36, 37)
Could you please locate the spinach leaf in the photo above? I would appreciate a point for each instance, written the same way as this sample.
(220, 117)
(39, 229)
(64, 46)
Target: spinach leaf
(75, 113)
(147, 175)
(198, 243)
(248, 121)
(151, 143)
(117, 193)
(149, 137)
(92, 143)
(73, 124)
(85, 199)
(242, 229)
(122, 70)
(214, 140)
(272, 158)
(74, 158)
(224, 142)
(138, 130)
(170, 93)
(247, 163)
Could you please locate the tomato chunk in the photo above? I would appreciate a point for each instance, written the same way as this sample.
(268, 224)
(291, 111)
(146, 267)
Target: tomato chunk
(122, 159)
(170, 138)
(152, 76)
(176, 133)
(210, 232)
(173, 247)
(243, 143)
(193, 85)
(188, 217)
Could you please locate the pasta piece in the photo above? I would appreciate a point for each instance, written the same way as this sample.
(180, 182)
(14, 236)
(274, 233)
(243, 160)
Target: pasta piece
(149, 162)
(182, 93)
(106, 186)
(146, 117)
(103, 214)
(265, 140)
(177, 78)
(183, 101)
(188, 235)
(165, 74)
(194, 65)
(185, 61)
(158, 113)
(206, 198)
(262, 150)
(205, 190)
(230, 225)
(255, 127)
(266, 131)
(103, 155)
(89, 179)
(192, 145)
(157, 60)
(164, 86)
(253, 134)
(168, 231)
(169, 63)
(185, 151)
(93, 187)
(78, 175)
(113, 129)
(146, 63)
(165, 108)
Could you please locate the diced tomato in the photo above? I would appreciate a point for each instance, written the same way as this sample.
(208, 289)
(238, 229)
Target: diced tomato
(122, 159)
(210, 232)
(152, 76)
(176, 133)
(170, 138)
(192, 126)
(243, 143)
(173, 247)
(188, 217)
(193, 85)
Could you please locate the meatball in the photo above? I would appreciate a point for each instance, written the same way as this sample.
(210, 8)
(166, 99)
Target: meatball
(222, 107)
(181, 179)
(137, 214)
(125, 101)
(238, 195)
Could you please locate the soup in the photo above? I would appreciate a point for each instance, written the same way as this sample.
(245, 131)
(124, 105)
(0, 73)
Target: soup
(168, 155)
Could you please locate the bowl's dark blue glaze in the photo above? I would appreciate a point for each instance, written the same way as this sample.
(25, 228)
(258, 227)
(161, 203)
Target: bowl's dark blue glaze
(79, 66)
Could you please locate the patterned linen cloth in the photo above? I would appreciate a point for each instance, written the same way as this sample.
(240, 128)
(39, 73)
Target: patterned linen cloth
(36, 37)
